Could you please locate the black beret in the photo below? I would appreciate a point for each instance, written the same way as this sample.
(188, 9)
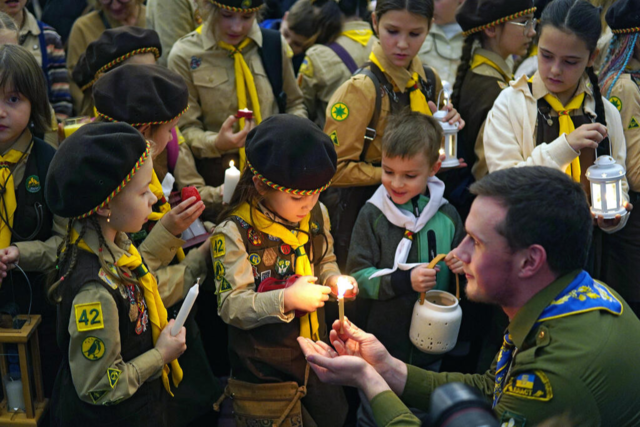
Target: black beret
(117, 44)
(140, 94)
(291, 154)
(477, 15)
(81, 73)
(92, 166)
(245, 6)
(623, 17)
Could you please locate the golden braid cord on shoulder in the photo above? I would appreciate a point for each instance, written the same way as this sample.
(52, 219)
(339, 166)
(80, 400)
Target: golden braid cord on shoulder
(499, 21)
(285, 189)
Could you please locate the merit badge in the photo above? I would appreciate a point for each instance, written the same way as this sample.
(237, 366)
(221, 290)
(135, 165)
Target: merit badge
(509, 419)
(218, 270)
(633, 124)
(530, 385)
(282, 266)
(114, 376)
(285, 249)
(339, 111)
(242, 222)
(265, 275)
(306, 67)
(334, 138)
(225, 286)
(254, 259)
(195, 62)
(92, 348)
(217, 245)
(254, 236)
(33, 184)
(617, 102)
(89, 316)
(143, 319)
(269, 257)
(272, 238)
(97, 395)
(315, 228)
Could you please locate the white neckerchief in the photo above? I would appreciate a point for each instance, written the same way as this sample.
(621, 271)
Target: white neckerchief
(407, 220)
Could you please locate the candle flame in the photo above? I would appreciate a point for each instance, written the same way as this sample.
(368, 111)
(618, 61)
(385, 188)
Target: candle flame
(343, 286)
(231, 164)
(441, 151)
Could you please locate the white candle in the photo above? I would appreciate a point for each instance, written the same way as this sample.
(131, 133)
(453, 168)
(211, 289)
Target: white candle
(343, 286)
(15, 398)
(186, 308)
(231, 178)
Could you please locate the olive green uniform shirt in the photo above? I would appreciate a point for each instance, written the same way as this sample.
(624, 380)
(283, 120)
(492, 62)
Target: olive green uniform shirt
(582, 364)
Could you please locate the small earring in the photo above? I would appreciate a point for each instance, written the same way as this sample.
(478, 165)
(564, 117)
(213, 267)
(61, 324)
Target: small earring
(109, 217)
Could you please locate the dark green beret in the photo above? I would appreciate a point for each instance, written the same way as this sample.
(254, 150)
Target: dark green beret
(92, 166)
(245, 6)
(623, 17)
(141, 94)
(477, 15)
(291, 154)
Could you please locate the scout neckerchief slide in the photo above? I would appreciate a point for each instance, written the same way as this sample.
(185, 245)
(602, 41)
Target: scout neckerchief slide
(583, 294)
(132, 260)
(309, 325)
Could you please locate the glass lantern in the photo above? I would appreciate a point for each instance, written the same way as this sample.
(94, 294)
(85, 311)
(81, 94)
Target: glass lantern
(605, 178)
(450, 140)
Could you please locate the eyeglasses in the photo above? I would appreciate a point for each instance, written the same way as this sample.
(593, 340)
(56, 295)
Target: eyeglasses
(528, 25)
(108, 2)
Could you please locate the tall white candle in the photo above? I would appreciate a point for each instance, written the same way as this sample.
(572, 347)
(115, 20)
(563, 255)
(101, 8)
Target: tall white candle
(15, 397)
(343, 286)
(186, 308)
(231, 178)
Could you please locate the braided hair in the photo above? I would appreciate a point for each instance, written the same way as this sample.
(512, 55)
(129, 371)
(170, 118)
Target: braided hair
(465, 65)
(619, 54)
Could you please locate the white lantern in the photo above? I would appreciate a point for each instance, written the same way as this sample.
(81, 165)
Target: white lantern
(450, 140)
(605, 177)
(435, 323)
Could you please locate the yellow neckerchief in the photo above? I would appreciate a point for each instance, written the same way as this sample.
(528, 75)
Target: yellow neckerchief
(534, 51)
(155, 306)
(309, 323)
(156, 189)
(416, 97)
(8, 199)
(244, 81)
(566, 126)
(479, 59)
(360, 36)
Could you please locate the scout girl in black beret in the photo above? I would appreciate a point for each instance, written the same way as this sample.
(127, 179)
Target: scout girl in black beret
(112, 325)
(275, 231)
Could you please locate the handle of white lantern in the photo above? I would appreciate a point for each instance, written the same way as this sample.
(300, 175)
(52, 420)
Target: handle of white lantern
(432, 264)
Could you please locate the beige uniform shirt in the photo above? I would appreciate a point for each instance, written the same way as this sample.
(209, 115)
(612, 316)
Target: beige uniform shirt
(442, 53)
(322, 71)
(348, 114)
(186, 174)
(35, 255)
(209, 73)
(31, 31)
(85, 30)
(91, 375)
(240, 305)
(626, 97)
(510, 132)
(172, 19)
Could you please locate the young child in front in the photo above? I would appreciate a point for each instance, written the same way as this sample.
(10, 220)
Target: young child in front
(406, 221)
(273, 229)
(112, 324)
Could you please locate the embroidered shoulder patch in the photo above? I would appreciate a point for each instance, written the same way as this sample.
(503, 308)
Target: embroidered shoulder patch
(509, 419)
(633, 124)
(306, 67)
(107, 279)
(334, 138)
(617, 102)
(218, 270)
(33, 184)
(218, 245)
(89, 316)
(195, 62)
(339, 111)
(225, 286)
(93, 348)
(97, 395)
(254, 259)
(530, 385)
(114, 376)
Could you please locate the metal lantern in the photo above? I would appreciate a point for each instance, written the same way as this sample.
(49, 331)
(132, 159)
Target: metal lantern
(450, 140)
(605, 177)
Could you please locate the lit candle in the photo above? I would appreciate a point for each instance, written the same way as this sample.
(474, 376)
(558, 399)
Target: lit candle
(15, 397)
(245, 113)
(186, 308)
(343, 286)
(231, 178)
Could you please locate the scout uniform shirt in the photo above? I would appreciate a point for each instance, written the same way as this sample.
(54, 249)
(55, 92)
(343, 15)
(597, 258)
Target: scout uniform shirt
(209, 73)
(348, 114)
(443, 53)
(172, 20)
(111, 359)
(323, 71)
(581, 363)
(85, 30)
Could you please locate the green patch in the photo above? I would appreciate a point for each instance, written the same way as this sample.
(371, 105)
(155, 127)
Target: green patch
(93, 348)
(225, 286)
(633, 124)
(218, 269)
(33, 184)
(97, 395)
(114, 376)
(339, 111)
(530, 385)
(282, 266)
(509, 419)
(334, 138)
(617, 102)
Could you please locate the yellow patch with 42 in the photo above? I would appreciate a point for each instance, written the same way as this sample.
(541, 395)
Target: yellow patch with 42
(218, 245)
(89, 316)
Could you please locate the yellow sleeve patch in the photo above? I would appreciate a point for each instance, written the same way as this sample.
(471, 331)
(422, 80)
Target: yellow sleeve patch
(218, 246)
(114, 376)
(530, 385)
(306, 67)
(334, 138)
(89, 316)
(633, 124)
(617, 102)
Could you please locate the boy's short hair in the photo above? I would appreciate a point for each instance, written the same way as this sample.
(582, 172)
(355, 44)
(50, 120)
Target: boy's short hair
(409, 133)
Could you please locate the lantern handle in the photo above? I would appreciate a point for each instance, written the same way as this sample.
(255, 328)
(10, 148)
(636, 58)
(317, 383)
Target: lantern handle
(593, 120)
(445, 97)
(432, 264)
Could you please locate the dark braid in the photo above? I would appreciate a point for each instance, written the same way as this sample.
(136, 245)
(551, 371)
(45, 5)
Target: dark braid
(71, 251)
(597, 96)
(465, 66)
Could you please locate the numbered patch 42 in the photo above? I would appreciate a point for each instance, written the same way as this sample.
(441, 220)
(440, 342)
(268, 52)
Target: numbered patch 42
(89, 316)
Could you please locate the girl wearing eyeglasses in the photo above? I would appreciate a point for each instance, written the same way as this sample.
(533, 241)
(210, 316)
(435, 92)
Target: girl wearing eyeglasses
(494, 30)
(108, 14)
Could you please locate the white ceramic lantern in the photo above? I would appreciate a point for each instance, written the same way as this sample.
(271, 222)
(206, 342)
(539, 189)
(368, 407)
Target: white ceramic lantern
(605, 177)
(436, 322)
(450, 140)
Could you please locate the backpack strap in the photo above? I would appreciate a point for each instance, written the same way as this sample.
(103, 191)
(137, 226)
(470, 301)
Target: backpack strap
(370, 132)
(45, 58)
(344, 56)
(271, 55)
(429, 87)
